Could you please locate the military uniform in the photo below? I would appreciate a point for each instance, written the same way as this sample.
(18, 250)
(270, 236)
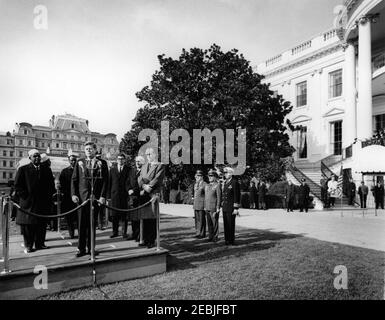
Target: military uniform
(213, 195)
(199, 209)
(231, 195)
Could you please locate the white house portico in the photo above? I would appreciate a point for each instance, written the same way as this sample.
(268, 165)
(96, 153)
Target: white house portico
(336, 84)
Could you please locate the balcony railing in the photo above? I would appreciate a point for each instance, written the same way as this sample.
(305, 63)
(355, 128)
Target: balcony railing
(302, 47)
(378, 61)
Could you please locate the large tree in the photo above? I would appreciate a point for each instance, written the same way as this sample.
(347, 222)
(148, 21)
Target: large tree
(214, 89)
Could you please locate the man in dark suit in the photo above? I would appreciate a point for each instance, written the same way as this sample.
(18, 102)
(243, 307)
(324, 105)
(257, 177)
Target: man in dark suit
(213, 199)
(199, 205)
(117, 194)
(351, 192)
(85, 169)
(34, 186)
(150, 182)
(67, 204)
(303, 196)
(290, 196)
(363, 192)
(231, 196)
(378, 192)
(137, 198)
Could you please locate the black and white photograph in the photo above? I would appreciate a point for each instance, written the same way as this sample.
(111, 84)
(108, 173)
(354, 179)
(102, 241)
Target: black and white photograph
(192, 155)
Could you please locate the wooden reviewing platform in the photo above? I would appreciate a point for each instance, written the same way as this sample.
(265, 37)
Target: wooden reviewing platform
(118, 260)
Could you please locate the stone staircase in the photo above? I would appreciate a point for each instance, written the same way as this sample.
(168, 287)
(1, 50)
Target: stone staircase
(313, 173)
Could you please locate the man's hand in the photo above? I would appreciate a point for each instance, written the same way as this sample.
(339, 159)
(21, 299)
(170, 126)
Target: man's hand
(235, 212)
(102, 200)
(130, 192)
(75, 199)
(147, 188)
(142, 192)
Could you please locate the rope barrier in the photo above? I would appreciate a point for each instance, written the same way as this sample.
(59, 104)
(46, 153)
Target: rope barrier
(50, 216)
(131, 209)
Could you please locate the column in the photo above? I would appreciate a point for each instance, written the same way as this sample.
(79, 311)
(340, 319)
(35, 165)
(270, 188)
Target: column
(365, 109)
(350, 122)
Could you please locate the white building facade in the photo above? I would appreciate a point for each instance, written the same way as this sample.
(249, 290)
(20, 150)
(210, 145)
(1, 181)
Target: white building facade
(336, 84)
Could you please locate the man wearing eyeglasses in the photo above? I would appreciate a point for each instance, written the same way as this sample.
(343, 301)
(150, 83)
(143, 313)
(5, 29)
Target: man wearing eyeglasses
(34, 185)
(150, 181)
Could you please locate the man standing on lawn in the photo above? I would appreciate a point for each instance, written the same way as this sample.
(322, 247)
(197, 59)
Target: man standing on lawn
(231, 196)
(199, 205)
(213, 200)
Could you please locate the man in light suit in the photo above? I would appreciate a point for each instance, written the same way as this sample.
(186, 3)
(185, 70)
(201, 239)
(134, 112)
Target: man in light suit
(150, 182)
(199, 205)
(137, 198)
(34, 185)
(84, 169)
(213, 195)
(231, 195)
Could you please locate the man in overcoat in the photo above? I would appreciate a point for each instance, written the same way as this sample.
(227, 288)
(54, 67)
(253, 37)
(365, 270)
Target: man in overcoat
(67, 204)
(150, 182)
(34, 186)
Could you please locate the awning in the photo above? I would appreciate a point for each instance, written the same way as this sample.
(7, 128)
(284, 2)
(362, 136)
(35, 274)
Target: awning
(371, 160)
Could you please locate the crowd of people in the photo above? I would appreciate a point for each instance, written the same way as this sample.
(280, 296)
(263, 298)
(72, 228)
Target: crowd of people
(122, 186)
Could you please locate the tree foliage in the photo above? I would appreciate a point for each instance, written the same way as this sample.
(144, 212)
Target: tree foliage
(214, 89)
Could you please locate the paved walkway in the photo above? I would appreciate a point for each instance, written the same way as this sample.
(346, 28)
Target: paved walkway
(347, 227)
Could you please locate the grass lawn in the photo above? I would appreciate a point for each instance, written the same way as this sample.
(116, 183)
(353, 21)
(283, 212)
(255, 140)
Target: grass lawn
(263, 265)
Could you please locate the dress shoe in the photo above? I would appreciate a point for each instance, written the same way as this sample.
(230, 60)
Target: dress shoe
(125, 236)
(80, 254)
(227, 243)
(29, 250)
(113, 236)
(215, 240)
(151, 245)
(142, 244)
(43, 247)
(96, 253)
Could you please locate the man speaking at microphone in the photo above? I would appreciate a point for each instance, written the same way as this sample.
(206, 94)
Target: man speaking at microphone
(84, 170)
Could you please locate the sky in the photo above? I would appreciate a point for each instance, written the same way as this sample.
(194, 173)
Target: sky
(95, 55)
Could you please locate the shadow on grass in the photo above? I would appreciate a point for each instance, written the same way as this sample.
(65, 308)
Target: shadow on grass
(188, 252)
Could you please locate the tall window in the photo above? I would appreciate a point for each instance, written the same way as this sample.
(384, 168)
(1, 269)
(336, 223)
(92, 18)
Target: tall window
(20, 142)
(57, 145)
(302, 94)
(336, 137)
(10, 175)
(29, 142)
(302, 143)
(335, 84)
(64, 145)
(25, 132)
(4, 175)
(11, 164)
(4, 153)
(11, 153)
(4, 164)
(20, 153)
(72, 126)
(380, 122)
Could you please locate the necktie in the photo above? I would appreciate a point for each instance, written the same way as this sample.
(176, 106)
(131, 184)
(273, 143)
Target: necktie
(148, 167)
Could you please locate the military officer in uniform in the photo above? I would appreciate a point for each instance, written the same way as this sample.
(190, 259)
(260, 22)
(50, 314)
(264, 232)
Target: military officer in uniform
(213, 195)
(231, 195)
(199, 205)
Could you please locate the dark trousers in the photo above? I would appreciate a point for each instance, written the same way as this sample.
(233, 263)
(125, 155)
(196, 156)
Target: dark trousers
(351, 199)
(303, 205)
(84, 227)
(262, 204)
(70, 218)
(200, 223)
(149, 231)
(332, 201)
(363, 199)
(41, 230)
(29, 234)
(212, 225)
(290, 204)
(379, 202)
(229, 226)
(135, 225)
(115, 224)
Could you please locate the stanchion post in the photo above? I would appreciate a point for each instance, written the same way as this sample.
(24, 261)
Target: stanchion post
(92, 222)
(141, 241)
(7, 215)
(58, 207)
(157, 211)
(2, 223)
